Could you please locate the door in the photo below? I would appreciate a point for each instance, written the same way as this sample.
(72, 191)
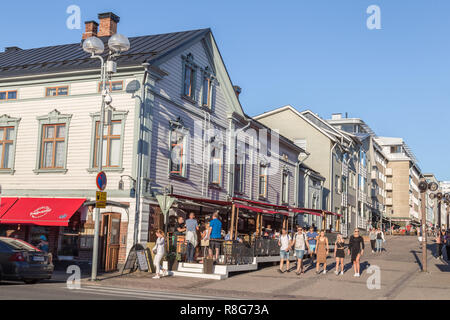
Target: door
(111, 241)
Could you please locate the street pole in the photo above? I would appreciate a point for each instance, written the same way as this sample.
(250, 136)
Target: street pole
(424, 234)
(100, 168)
(439, 214)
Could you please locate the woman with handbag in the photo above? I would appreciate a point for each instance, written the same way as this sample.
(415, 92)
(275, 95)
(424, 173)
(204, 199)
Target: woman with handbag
(159, 251)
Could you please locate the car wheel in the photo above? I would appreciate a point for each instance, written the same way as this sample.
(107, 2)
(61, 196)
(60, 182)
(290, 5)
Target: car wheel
(31, 281)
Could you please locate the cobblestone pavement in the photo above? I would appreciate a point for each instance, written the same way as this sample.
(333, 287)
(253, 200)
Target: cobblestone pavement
(400, 278)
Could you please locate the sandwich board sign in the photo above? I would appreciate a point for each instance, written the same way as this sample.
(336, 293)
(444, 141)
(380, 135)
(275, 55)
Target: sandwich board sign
(165, 203)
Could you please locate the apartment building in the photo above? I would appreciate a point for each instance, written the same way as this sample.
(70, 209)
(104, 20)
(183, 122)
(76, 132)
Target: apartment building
(326, 147)
(403, 175)
(377, 162)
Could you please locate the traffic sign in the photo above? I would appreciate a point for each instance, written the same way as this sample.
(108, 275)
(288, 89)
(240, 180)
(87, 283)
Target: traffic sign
(101, 181)
(165, 203)
(100, 201)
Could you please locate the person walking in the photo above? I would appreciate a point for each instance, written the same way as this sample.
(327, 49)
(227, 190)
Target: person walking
(312, 235)
(215, 235)
(159, 251)
(356, 249)
(439, 242)
(322, 249)
(191, 237)
(447, 244)
(380, 240)
(284, 244)
(300, 244)
(373, 238)
(339, 254)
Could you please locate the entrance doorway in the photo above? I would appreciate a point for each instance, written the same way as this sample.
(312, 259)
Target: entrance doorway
(110, 235)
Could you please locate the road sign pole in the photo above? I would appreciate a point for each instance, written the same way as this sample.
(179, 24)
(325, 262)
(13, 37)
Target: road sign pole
(100, 168)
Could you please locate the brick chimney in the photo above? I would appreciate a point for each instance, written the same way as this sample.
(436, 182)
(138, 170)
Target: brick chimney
(91, 29)
(108, 24)
(237, 90)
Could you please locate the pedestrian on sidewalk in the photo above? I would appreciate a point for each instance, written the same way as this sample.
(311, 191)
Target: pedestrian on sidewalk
(204, 243)
(322, 249)
(300, 244)
(439, 242)
(380, 240)
(312, 235)
(339, 254)
(191, 237)
(215, 235)
(356, 249)
(373, 239)
(159, 251)
(284, 244)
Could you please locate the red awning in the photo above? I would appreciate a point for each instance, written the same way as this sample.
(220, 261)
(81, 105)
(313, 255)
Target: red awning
(202, 200)
(333, 213)
(42, 211)
(6, 204)
(260, 210)
(306, 211)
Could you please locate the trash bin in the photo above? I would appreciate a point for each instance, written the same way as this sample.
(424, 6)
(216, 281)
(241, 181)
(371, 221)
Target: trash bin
(208, 265)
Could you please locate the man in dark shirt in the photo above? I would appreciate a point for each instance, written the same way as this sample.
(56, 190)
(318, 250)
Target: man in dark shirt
(180, 227)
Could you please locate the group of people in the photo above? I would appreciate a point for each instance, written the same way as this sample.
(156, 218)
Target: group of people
(376, 237)
(317, 245)
(443, 241)
(210, 235)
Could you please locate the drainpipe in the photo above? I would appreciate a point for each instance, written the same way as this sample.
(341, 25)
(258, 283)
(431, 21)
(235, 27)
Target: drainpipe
(139, 160)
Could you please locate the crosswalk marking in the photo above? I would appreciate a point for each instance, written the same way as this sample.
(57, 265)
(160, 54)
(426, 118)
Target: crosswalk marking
(146, 294)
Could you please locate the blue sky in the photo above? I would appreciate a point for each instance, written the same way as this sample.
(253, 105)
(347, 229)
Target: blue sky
(310, 54)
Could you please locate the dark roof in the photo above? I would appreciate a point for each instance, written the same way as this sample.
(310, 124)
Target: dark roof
(70, 57)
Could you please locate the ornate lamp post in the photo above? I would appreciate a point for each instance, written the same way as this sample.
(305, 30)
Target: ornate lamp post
(117, 44)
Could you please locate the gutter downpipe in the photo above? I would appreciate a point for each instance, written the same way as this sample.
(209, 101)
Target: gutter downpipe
(139, 160)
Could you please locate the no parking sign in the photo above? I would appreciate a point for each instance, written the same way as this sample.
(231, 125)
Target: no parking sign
(101, 181)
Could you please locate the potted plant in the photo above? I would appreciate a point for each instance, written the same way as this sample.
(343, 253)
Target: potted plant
(172, 260)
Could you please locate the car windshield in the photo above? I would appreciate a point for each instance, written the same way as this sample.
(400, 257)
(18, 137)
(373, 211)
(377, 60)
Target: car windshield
(18, 244)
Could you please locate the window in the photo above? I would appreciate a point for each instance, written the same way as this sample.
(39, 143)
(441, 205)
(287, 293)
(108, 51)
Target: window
(113, 86)
(178, 148)
(111, 144)
(189, 76)
(216, 166)
(263, 181)
(206, 96)
(396, 149)
(51, 153)
(337, 183)
(285, 187)
(8, 95)
(362, 157)
(239, 161)
(53, 146)
(6, 147)
(57, 91)
(344, 184)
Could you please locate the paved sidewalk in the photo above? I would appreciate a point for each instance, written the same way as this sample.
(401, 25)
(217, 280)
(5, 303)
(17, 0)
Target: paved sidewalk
(399, 265)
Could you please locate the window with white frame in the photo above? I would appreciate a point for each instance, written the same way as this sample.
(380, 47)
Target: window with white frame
(215, 172)
(263, 180)
(239, 167)
(178, 148)
(285, 186)
(112, 144)
(52, 142)
(8, 134)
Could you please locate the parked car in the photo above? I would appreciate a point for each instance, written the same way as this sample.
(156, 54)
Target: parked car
(22, 261)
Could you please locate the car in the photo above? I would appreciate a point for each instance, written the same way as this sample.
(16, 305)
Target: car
(21, 261)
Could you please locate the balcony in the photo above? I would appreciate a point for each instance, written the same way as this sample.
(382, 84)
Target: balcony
(389, 186)
(373, 175)
(388, 172)
(389, 201)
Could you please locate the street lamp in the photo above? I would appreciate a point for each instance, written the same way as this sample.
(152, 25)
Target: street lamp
(94, 46)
